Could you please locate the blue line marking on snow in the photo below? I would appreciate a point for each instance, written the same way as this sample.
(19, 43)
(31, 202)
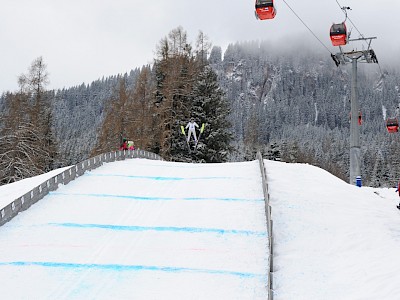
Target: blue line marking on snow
(162, 178)
(141, 198)
(117, 267)
(163, 229)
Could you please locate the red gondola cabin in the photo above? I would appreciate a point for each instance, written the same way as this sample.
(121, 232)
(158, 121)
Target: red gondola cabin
(392, 125)
(338, 34)
(265, 9)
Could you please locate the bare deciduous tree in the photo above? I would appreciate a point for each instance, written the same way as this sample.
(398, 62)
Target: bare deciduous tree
(27, 143)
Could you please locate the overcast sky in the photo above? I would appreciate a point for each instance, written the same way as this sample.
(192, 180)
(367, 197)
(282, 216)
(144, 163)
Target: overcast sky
(83, 40)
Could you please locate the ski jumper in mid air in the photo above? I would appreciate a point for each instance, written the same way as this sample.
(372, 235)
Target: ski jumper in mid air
(192, 129)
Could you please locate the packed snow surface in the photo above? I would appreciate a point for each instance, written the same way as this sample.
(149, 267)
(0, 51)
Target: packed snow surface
(333, 240)
(140, 229)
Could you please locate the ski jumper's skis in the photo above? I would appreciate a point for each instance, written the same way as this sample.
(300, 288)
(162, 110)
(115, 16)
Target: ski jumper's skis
(184, 134)
(201, 131)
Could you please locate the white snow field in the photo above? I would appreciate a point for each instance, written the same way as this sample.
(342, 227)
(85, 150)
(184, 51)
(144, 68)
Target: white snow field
(141, 229)
(333, 240)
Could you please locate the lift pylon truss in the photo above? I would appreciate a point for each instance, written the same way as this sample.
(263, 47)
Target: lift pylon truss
(363, 56)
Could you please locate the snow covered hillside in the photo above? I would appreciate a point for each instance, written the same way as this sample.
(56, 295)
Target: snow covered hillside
(140, 229)
(332, 240)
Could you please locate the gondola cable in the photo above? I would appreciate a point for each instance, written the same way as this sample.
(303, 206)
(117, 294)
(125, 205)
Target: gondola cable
(347, 18)
(359, 32)
(337, 40)
(392, 123)
(307, 27)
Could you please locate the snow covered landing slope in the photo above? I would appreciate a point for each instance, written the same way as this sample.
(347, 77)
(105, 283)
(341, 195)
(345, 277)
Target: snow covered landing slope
(332, 240)
(140, 229)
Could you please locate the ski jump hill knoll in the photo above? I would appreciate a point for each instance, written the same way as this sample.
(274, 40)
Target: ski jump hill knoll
(144, 228)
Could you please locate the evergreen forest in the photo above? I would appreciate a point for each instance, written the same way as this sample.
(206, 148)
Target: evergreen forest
(292, 105)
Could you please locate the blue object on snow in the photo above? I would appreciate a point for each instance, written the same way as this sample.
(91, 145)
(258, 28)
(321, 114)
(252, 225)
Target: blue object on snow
(358, 181)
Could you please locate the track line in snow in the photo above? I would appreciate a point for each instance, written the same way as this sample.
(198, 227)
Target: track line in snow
(142, 198)
(164, 178)
(162, 229)
(119, 267)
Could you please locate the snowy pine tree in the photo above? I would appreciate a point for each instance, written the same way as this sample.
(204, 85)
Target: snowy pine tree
(211, 108)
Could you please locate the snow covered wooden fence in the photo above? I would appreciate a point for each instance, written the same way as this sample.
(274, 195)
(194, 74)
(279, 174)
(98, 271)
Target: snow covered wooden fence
(25, 201)
(269, 224)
